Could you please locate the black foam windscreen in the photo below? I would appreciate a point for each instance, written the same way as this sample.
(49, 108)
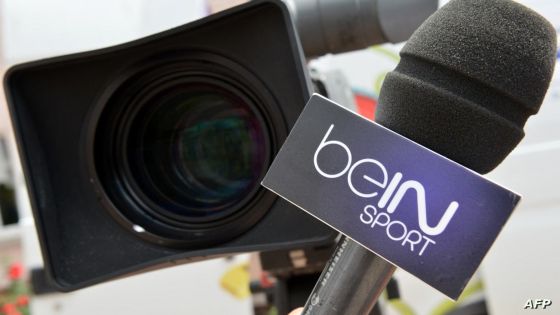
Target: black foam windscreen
(468, 80)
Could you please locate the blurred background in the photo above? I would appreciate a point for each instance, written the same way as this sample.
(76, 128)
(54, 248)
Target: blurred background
(522, 264)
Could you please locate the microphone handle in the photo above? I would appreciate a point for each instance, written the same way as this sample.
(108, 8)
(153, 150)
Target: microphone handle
(351, 282)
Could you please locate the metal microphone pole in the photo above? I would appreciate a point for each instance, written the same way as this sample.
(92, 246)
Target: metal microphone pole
(352, 275)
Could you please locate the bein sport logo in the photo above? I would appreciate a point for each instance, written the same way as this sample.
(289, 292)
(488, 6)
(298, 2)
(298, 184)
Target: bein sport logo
(395, 230)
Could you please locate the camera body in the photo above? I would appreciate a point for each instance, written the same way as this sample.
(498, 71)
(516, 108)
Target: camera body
(150, 153)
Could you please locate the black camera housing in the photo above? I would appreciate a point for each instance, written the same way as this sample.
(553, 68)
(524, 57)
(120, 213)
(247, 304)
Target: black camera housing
(90, 230)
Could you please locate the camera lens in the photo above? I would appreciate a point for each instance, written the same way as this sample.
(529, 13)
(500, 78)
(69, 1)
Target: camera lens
(196, 150)
(180, 147)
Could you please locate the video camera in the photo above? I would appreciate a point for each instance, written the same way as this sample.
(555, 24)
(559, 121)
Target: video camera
(151, 153)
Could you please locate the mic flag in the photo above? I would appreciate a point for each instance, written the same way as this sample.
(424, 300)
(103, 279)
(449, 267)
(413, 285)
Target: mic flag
(415, 208)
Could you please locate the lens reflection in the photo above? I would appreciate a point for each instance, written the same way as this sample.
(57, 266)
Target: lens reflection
(197, 150)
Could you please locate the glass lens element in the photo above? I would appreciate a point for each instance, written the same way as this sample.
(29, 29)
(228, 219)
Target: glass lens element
(197, 149)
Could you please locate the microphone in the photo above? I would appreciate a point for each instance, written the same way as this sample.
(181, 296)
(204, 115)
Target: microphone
(336, 26)
(468, 80)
